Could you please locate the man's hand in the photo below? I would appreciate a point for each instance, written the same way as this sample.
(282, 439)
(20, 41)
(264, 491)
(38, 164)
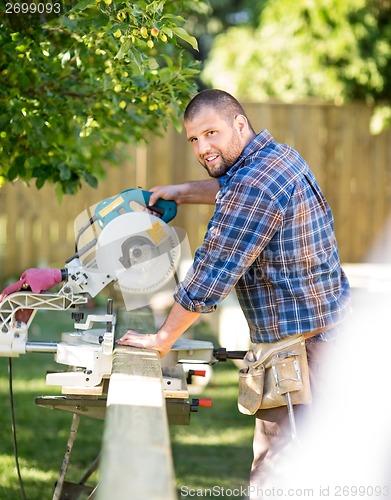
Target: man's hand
(177, 322)
(147, 341)
(169, 192)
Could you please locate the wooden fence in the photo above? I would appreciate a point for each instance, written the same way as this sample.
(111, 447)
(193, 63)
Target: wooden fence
(353, 168)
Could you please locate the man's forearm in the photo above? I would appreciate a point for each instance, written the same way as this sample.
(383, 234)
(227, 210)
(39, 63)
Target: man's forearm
(177, 322)
(200, 192)
(192, 192)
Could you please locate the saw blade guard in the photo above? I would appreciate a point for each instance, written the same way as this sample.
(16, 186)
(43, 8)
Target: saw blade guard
(135, 248)
(141, 250)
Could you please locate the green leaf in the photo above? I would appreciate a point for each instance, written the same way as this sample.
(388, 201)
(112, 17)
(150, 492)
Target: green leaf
(82, 5)
(124, 49)
(59, 193)
(184, 35)
(177, 123)
(171, 16)
(99, 21)
(65, 172)
(91, 179)
(39, 183)
(167, 31)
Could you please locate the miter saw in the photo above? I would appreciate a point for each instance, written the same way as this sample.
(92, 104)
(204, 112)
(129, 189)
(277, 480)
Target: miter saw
(122, 240)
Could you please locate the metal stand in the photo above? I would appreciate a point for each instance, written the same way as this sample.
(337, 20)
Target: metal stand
(71, 491)
(178, 413)
(65, 462)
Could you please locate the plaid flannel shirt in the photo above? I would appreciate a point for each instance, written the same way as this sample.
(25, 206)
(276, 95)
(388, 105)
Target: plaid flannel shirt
(271, 238)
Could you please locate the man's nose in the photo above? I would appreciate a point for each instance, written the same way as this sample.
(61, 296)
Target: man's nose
(203, 146)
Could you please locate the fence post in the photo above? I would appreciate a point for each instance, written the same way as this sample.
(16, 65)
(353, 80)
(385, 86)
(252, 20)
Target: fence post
(136, 454)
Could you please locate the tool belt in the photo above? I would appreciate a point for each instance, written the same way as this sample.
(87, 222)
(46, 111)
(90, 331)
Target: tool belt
(273, 370)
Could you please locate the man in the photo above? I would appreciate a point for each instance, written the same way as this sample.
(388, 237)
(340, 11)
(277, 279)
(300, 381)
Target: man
(271, 239)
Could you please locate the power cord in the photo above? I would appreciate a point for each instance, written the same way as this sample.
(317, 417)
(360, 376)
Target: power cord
(13, 423)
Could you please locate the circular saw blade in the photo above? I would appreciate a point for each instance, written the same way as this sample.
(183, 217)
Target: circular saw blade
(141, 250)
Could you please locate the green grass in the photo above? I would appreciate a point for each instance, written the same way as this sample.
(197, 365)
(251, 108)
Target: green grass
(213, 451)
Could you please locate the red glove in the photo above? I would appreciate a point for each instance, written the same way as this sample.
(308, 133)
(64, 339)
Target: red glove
(12, 288)
(38, 280)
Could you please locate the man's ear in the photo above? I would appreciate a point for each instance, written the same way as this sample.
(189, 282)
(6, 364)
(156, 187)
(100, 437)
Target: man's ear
(241, 124)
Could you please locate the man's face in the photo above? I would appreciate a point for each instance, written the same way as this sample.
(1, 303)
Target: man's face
(216, 144)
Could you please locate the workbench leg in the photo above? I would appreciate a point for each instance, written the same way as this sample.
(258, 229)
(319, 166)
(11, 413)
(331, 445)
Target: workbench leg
(65, 462)
(91, 469)
(93, 493)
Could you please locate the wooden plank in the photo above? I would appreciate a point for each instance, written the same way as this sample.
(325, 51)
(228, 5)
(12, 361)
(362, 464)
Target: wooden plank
(364, 168)
(345, 185)
(312, 124)
(381, 199)
(136, 454)
(261, 116)
(10, 263)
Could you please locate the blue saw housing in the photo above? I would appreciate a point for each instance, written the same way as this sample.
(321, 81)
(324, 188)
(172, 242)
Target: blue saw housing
(130, 201)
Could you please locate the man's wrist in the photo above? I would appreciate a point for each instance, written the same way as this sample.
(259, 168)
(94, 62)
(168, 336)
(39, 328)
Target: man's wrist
(165, 340)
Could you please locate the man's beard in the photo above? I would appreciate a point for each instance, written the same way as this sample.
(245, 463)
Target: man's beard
(227, 159)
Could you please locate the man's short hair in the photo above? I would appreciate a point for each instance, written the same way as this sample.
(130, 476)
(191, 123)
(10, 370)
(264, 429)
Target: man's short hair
(223, 103)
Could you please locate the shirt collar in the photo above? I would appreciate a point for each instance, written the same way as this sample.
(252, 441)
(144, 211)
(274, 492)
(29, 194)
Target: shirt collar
(259, 142)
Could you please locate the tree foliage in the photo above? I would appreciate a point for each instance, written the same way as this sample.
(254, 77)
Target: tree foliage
(221, 15)
(75, 85)
(329, 49)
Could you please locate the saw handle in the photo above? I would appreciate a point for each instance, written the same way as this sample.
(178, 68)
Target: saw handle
(167, 209)
(107, 210)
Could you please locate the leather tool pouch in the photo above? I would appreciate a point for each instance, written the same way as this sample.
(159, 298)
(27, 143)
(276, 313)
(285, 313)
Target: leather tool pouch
(273, 369)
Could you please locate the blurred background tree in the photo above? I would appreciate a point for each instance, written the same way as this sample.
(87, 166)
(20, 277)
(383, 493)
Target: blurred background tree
(77, 84)
(331, 50)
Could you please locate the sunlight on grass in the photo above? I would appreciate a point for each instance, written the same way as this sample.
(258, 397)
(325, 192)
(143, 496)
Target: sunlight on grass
(34, 385)
(37, 483)
(215, 451)
(230, 436)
